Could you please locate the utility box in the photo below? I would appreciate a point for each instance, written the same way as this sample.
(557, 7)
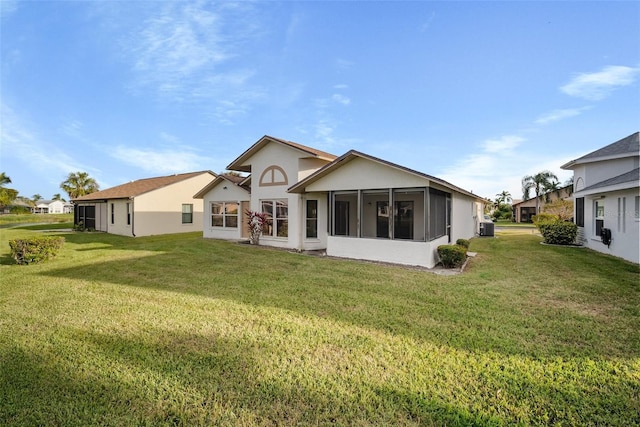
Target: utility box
(487, 229)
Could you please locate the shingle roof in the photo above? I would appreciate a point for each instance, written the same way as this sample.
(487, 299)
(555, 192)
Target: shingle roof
(238, 164)
(628, 146)
(141, 186)
(631, 176)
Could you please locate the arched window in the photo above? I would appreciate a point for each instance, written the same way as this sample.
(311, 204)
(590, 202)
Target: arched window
(273, 175)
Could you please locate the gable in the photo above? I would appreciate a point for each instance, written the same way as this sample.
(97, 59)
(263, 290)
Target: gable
(361, 173)
(245, 161)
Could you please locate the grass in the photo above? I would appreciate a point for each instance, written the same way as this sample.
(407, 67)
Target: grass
(179, 330)
(13, 219)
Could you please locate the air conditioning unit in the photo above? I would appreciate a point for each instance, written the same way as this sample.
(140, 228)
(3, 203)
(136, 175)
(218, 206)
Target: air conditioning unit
(487, 229)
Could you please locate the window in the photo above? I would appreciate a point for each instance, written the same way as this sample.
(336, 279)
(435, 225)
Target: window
(277, 224)
(599, 210)
(636, 212)
(187, 213)
(312, 219)
(580, 211)
(273, 175)
(224, 214)
(128, 213)
(113, 214)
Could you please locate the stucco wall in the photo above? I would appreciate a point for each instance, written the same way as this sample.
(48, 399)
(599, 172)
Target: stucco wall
(625, 228)
(404, 252)
(366, 174)
(219, 193)
(160, 211)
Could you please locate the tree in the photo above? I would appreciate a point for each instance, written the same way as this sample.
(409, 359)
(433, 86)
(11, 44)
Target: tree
(36, 198)
(57, 196)
(504, 197)
(539, 182)
(563, 209)
(79, 184)
(553, 186)
(4, 179)
(7, 195)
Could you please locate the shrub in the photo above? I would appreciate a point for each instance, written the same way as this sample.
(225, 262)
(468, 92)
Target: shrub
(558, 232)
(35, 249)
(452, 256)
(463, 242)
(544, 218)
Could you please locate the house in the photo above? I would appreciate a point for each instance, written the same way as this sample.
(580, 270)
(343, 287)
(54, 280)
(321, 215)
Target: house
(353, 206)
(607, 198)
(523, 210)
(52, 207)
(145, 207)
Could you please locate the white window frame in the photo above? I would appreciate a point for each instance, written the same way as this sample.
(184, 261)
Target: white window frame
(225, 214)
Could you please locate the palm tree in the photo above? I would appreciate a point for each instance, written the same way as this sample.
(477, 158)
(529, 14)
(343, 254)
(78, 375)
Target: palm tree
(79, 184)
(539, 182)
(36, 198)
(4, 179)
(504, 197)
(553, 186)
(57, 196)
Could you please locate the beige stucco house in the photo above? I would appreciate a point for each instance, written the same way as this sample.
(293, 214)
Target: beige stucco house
(354, 206)
(524, 210)
(145, 207)
(607, 197)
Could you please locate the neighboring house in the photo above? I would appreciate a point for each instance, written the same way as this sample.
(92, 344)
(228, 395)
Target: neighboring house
(607, 196)
(145, 207)
(49, 207)
(525, 209)
(353, 206)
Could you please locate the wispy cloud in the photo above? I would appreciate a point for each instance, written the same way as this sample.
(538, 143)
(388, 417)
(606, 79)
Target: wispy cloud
(31, 149)
(186, 52)
(163, 160)
(561, 114)
(500, 162)
(7, 7)
(600, 84)
(341, 99)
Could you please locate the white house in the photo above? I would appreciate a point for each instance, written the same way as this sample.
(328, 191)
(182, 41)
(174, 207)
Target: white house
(354, 206)
(145, 207)
(607, 196)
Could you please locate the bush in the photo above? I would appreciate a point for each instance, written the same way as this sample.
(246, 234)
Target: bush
(544, 218)
(452, 256)
(463, 242)
(35, 249)
(558, 232)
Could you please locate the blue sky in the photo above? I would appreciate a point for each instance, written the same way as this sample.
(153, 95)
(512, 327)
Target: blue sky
(477, 93)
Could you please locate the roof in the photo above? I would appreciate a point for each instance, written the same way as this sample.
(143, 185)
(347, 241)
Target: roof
(632, 176)
(626, 147)
(350, 155)
(223, 177)
(141, 186)
(238, 164)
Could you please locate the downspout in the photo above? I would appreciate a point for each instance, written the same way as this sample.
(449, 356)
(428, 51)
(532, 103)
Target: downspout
(133, 233)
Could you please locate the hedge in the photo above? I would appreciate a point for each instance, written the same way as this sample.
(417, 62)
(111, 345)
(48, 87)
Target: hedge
(452, 256)
(35, 249)
(558, 232)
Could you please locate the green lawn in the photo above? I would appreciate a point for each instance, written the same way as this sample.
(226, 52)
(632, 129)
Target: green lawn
(178, 330)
